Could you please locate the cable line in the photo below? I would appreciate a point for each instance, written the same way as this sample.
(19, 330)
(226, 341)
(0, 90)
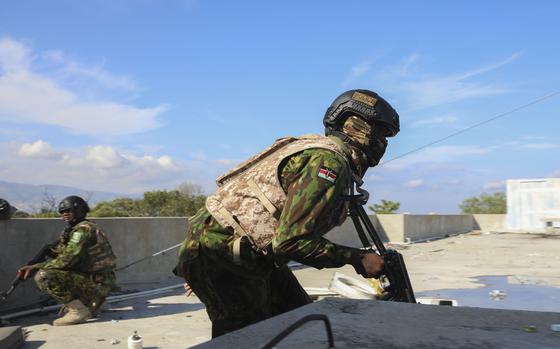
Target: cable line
(533, 102)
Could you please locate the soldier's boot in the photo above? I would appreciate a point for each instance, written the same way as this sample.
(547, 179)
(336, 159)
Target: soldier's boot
(77, 313)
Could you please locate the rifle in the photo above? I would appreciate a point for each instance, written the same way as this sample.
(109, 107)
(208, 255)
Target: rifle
(15, 283)
(394, 280)
(44, 252)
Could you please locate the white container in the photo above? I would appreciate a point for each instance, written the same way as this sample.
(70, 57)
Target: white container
(350, 287)
(135, 341)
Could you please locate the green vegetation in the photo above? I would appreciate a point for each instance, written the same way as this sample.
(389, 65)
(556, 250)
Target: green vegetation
(158, 203)
(385, 207)
(181, 202)
(485, 203)
(21, 214)
(44, 213)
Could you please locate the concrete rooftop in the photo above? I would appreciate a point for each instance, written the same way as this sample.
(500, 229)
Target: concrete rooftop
(528, 260)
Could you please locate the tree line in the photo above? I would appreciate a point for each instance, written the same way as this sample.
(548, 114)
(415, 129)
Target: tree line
(188, 198)
(485, 203)
(183, 201)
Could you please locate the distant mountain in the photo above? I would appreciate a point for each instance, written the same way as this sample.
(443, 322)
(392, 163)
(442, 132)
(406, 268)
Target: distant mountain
(30, 198)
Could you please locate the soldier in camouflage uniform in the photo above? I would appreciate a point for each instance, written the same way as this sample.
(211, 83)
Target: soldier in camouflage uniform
(80, 274)
(275, 207)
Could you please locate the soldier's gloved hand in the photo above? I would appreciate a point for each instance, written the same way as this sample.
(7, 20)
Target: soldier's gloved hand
(25, 271)
(373, 265)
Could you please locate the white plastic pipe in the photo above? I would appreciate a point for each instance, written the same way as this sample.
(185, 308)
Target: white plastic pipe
(112, 299)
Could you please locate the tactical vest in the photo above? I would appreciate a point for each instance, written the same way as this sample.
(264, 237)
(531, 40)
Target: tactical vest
(100, 256)
(250, 198)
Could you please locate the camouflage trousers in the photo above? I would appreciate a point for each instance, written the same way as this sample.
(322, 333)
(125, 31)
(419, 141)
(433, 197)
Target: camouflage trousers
(236, 296)
(65, 286)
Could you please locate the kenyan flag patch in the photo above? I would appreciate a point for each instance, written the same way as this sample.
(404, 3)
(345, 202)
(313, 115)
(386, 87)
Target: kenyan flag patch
(327, 174)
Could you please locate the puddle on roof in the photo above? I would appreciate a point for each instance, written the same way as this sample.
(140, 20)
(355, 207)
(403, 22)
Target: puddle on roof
(498, 293)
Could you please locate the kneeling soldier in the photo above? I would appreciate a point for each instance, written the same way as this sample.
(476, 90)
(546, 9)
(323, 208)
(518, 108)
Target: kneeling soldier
(80, 274)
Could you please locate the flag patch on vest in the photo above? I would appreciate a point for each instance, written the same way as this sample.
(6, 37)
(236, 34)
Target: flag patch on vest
(76, 237)
(327, 174)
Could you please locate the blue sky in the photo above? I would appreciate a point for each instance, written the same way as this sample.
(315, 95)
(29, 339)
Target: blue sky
(129, 96)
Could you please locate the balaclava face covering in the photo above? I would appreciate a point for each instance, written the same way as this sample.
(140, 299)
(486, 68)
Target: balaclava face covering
(368, 139)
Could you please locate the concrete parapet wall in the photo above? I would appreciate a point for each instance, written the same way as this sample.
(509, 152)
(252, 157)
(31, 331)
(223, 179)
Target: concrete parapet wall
(411, 227)
(490, 221)
(390, 227)
(131, 239)
(135, 238)
(421, 227)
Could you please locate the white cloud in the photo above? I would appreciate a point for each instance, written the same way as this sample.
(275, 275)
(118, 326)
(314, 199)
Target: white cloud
(428, 89)
(97, 157)
(14, 57)
(104, 157)
(93, 73)
(98, 167)
(434, 91)
(541, 146)
(40, 150)
(166, 162)
(414, 183)
(30, 97)
(490, 67)
(356, 72)
(408, 65)
(447, 153)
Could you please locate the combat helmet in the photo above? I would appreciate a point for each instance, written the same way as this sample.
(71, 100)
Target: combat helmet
(371, 108)
(5, 210)
(74, 203)
(365, 104)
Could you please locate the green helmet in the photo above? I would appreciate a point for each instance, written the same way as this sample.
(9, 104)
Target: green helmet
(365, 104)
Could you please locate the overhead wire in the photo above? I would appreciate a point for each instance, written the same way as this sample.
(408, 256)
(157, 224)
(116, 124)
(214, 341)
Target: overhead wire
(526, 105)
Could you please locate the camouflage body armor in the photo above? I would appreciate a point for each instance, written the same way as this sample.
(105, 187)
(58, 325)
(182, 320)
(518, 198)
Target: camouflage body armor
(100, 256)
(250, 198)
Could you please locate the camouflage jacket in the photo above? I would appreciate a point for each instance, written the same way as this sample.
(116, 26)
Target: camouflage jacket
(85, 248)
(251, 197)
(314, 181)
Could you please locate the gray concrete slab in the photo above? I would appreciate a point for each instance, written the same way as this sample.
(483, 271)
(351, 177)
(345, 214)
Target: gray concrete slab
(458, 261)
(169, 321)
(377, 324)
